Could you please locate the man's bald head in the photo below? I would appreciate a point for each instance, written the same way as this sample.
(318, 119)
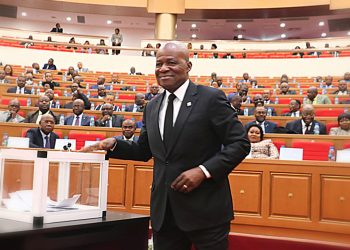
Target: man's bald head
(178, 48)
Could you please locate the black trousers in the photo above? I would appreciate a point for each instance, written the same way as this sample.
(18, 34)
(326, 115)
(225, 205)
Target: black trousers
(171, 237)
(115, 52)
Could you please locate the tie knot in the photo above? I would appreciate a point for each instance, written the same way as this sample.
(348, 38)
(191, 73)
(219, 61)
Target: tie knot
(46, 137)
(171, 97)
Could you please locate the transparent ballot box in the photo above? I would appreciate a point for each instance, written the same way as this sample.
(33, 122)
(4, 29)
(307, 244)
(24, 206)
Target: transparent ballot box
(39, 186)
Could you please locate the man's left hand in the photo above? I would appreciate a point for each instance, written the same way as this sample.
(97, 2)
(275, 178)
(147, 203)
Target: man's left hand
(188, 180)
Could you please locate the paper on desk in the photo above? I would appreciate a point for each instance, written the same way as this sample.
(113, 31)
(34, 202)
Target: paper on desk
(66, 203)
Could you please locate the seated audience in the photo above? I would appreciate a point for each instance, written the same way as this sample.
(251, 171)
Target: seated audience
(108, 119)
(87, 49)
(77, 93)
(284, 78)
(314, 98)
(213, 77)
(128, 131)
(68, 75)
(154, 91)
(72, 40)
(139, 104)
(294, 109)
(342, 88)
(115, 79)
(80, 67)
(344, 125)
(78, 119)
(258, 101)
(20, 89)
(3, 77)
(29, 78)
(266, 96)
(36, 68)
(328, 80)
(260, 148)
(49, 65)
(236, 102)
(44, 108)
(11, 115)
(254, 84)
(101, 92)
(48, 79)
(214, 85)
(133, 71)
(57, 28)
(243, 92)
(148, 52)
(284, 89)
(301, 54)
(219, 81)
(306, 124)
(109, 98)
(346, 77)
(260, 119)
(43, 137)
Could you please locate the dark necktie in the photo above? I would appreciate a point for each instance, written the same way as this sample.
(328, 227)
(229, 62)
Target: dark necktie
(47, 142)
(168, 122)
(77, 121)
(307, 130)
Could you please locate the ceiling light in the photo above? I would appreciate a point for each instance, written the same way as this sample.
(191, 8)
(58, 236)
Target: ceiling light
(324, 34)
(349, 33)
(194, 25)
(194, 36)
(321, 23)
(283, 36)
(109, 21)
(239, 26)
(240, 36)
(282, 25)
(69, 19)
(24, 13)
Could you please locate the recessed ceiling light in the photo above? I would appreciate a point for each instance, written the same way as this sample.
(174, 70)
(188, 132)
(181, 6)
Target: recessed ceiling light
(348, 33)
(239, 26)
(68, 18)
(282, 25)
(194, 25)
(194, 36)
(283, 36)
(321, 23)
(109, 21)
(240, 36)
(324, 34)
(24, 13)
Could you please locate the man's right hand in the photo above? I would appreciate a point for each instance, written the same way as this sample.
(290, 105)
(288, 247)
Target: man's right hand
(106, 144)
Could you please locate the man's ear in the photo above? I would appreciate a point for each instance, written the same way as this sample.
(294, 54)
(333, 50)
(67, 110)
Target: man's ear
(189, 66)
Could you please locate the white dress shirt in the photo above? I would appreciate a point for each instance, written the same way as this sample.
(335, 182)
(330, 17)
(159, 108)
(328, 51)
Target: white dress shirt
(43, 137)
(19, 90)
(295, 114)
(180, 95)
(80, 118)
(304, 128)
(262, 125)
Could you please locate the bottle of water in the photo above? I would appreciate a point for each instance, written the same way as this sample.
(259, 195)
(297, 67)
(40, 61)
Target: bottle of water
(331, 154)
(61, 119)
(111, 87)
(92, 121)
(87, 86)
(116, 96)
(277, 85)
(38, 91)
(5, 139)
(29, 102)
(88, 94)
(300, 91)
(246, 112)
(65, 93)
(32, 91)
(92, 106)
(58, 104)
(248, 100)
(317, 129)
(276, 100)
(304, 100)
(133, 88)
(336, 100)
(324, 91)
(269, 112)
(274, 91)
(123, 107)
(299, 85)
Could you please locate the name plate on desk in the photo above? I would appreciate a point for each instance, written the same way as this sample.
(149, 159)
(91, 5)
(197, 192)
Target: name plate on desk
(343, 155)
(292, 154)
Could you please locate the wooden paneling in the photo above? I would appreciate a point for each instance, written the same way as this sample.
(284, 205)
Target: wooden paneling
(116, 185)
(142, 186)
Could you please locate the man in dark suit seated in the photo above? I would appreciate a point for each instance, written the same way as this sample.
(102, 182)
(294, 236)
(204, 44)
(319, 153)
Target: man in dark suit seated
(196, 140)
(128, 131)
(49, 65)
(284, 89)
(258, 101)
(77, 94)
(78, 119)
(57, 28)
(101, 92)
(43, 137)
(154, 91)
(236, 102)
(306, 125)
(44, 108)
(109, 98)
(51, 95)
(266, 96)
(108, 119)
(139, 104)
(101, 82)
(49, 80)
(20, 89)
(294, 109)
(260, 113)
(342, 89)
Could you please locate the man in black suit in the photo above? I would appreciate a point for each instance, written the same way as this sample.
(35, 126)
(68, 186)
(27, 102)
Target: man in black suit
(128, 131)
(342, 89)
(51, 95)
(43, 137)
(294, 109)
(236, 102)
(101, 92)
(77, 93)
(196, 140)
(284, 89)
(44, 108)
(49, 65)
(57, 28)
(108, 119)
(78, 119)
(260, 113)
(258, 101)
(49, 80)
(20, 89)
(154, 91)
(306, 125)
(139, 104)
(266, 96)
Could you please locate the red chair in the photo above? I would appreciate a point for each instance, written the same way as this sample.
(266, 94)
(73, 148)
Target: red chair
(329, 112)
(347, 145)
(22, 102)
(331, 125)
(314, 151)
(279, 144)
(81, 137)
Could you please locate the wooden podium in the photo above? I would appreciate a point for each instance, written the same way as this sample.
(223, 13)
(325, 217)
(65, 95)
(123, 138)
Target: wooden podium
(118, 231)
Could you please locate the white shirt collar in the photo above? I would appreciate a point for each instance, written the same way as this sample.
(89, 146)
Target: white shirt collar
(180, 92)
(43, 135)
(130, 139)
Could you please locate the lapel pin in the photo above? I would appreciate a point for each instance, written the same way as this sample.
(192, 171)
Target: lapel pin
(189, 104)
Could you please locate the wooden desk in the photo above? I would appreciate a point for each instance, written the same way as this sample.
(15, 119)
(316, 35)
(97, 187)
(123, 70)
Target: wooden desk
(119, 230)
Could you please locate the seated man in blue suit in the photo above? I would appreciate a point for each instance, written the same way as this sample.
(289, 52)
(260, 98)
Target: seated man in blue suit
(20, 89)
(139, 104)
(260, 118)
(128, 130)
(43, 136)
(101, 82)
(78, 119)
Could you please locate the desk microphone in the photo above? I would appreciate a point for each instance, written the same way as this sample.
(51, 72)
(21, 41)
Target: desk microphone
(67, 147)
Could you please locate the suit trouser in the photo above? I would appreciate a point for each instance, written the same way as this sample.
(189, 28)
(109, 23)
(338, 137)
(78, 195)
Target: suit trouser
(115, 52)
(171, 237)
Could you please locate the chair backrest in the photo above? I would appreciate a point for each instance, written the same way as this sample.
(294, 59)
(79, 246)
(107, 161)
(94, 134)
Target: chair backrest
(81, 137)
(329, 112)
(331, 125)
(279, 144)
(347, 145)
(317, 151)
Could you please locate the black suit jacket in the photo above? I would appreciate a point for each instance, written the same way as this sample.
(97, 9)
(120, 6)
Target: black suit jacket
(135, 139)
(60, 30)
(117, 121)
(269, 126)
(297, 127)
(33, 116)
(50, 67)
(37, 141)
(130, 108)
(14, 89)
(207, 132)
(149, 96)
